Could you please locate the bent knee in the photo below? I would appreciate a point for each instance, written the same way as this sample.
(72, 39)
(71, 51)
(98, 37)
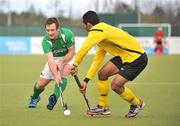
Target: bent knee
(117, 87)
(114, 87)
(103, 75)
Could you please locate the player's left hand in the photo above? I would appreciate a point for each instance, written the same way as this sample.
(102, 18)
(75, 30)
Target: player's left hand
(73, 70)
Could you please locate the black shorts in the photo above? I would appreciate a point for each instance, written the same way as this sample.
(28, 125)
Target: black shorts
(159, 42)
(130, 70)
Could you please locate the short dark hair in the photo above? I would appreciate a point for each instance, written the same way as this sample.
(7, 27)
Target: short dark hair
(52, 20)
(91, 17)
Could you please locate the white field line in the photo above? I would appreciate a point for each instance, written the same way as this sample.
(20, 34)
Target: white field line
(130, 83)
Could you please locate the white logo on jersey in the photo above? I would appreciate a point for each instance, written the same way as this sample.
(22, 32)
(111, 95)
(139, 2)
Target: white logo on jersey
(49, 42)
(63, 37)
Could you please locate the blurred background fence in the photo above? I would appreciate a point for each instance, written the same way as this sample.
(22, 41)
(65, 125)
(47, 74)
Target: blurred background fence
(30, 29)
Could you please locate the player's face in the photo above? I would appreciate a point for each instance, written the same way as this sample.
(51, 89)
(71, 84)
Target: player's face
(87, 26)
(52, 31)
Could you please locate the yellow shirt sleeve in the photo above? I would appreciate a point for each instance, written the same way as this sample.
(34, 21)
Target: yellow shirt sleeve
(97, 60)
(93, 38)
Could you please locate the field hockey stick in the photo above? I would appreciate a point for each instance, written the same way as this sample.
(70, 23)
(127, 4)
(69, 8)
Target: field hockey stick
(64, 105)
(79, 85)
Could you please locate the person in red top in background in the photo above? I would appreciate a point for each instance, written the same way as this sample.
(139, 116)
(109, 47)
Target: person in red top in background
(159, 36)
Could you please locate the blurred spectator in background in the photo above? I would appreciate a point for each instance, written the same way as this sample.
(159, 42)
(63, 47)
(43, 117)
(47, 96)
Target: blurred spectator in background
(159, 40)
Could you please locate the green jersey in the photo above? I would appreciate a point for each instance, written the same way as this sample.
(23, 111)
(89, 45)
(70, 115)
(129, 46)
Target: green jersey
(59, 47)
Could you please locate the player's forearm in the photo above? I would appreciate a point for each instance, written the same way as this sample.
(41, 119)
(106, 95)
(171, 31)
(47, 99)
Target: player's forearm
(80, 55)
(97, 60)
(53, 68)
(52, 65)
(93, 69)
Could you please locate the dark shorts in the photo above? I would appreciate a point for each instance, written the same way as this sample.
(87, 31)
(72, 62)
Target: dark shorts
(159, 42)
(130, 70)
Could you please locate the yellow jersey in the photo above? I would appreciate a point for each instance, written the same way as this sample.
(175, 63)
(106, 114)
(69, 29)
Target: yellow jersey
(108, 39)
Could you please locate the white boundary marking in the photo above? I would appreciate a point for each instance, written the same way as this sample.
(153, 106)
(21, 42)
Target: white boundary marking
(129, 83)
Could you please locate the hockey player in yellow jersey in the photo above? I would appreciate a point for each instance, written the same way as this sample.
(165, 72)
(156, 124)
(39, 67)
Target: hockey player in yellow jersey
(129, 59)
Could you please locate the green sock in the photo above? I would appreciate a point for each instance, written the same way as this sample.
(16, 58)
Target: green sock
(56, 88)
(37, 91)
